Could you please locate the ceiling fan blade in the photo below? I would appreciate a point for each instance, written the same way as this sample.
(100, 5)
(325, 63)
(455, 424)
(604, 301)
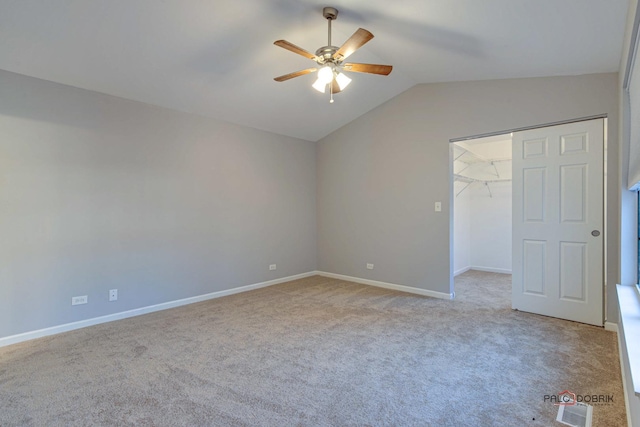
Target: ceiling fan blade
(294, 74)
(295, 49)
(355, 42)
(368, 68)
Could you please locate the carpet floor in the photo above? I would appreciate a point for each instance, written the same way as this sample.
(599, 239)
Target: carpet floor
(317, 352)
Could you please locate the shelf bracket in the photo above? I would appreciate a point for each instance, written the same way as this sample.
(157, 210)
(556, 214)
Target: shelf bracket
(465, 187)
(486, 184)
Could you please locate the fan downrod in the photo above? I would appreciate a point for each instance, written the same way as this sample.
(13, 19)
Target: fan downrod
(325, 53)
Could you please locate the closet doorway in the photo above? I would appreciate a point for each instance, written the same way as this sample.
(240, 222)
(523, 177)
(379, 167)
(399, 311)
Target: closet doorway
(482, 204)
(549, 232)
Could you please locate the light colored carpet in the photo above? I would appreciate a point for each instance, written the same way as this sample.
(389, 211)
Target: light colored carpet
(316, 352)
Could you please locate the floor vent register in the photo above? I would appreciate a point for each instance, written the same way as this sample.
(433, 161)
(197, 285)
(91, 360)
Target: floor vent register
(576, 415)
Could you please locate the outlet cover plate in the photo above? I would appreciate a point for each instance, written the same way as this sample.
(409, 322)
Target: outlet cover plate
(79, 300)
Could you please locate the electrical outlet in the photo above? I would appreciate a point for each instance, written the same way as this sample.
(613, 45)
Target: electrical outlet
(113, 295)
(79, 300)
(369, 266)
(438, 207)
(272, 267)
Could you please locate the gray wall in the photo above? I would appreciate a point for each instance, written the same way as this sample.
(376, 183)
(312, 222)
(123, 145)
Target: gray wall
(379, 176)
(98, 192)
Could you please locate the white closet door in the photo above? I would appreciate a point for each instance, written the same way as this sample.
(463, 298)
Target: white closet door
(558, 221)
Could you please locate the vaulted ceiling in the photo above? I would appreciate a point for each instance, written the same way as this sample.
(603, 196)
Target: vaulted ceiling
(216, 57)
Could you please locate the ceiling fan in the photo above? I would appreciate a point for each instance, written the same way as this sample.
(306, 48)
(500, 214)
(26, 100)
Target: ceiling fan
(329, 59)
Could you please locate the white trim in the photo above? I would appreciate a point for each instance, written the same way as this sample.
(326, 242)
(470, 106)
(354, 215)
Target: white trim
(478, 268)
(629, 306)
(610, 326)
(491, 269)
(26, 336)
(462, 270)
(402, 288)
(623, 373)
(628, 325)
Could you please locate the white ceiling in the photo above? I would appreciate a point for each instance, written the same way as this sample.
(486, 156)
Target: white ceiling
(216, 57)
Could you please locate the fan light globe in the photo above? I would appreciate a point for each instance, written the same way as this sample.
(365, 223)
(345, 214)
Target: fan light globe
(342, 80)
(319, 86)
(325, 74)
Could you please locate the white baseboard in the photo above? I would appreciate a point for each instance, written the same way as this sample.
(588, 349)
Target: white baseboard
(26, 336)
(610, 326)
(490, 269)
(462, 270)
(386, 285)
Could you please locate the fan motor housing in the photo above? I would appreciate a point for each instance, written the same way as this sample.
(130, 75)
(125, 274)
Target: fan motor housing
(325, 54)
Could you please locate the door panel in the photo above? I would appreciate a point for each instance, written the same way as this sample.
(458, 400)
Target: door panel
(534, 198)
(573, 262)
(534, 257)
(557, 203)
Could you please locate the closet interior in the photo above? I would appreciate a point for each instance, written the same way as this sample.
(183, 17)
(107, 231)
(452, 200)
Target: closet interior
(482, 204)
